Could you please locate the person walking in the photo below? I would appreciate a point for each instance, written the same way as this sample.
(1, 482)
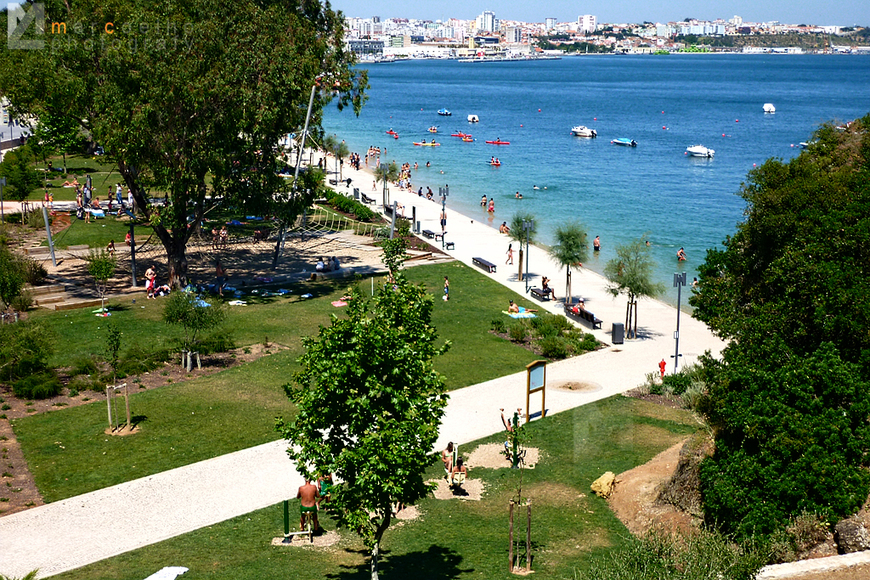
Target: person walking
(446, 289)
(510, 255)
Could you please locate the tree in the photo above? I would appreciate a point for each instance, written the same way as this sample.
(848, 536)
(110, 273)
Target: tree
(194, 314)
(518, 234)
(630, 273)
(205, 96)
(386, 172)
(21, 179)
(790, 398)
(369, 407)
(570, 250)
(101, 265)
(113, 350)
(58, 132)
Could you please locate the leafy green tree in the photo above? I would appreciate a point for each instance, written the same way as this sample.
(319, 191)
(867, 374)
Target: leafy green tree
(194, 315)
(21, 178)
(101, 266)
(790, 290)
(205, 96)
(385, 173)
(630, 273)
(570, 250)
(58, 132)
(369, 408)
(518, 235)
(11, 276)
(394, 254)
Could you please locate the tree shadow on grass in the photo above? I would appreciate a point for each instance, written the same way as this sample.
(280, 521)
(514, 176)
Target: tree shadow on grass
(436, 563)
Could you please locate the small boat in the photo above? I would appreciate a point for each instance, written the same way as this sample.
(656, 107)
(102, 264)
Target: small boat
(699, 151)
(499, 142)
(581, 131)
(424, 144)
(769, 108)
(460, 134)
(495, 163)
(473, 119)
(391, 132)
(433, 129)
(468, 139)
(444, 112)
(624, 142)
(803, 144)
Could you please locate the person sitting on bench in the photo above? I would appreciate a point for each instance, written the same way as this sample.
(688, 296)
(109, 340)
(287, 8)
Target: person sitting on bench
(545, 286)
(458, 474)
(447, 459)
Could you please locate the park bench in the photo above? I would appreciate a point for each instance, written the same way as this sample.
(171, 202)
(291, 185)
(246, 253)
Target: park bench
(451, 245)
(367, 199)
(483, 264)
(583, 314)
(438, 237)
(429, 234)
(540, 294)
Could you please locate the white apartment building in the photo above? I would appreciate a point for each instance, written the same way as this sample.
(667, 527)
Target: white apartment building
(587, 24)
(487, 22)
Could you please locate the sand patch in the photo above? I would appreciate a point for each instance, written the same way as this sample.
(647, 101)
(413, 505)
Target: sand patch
(471, 490)
(322, 541)
(576, 386)
(492, 456)
(409, 513)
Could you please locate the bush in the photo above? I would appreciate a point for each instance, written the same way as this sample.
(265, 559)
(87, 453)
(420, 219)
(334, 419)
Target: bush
(36, 220)
(138, 360)
(219, 341)
(518, 331)
(550, 325)
(83, 365)
(34, 272)
(804, 532)
(351, 206)
(498, 325)
(677, 384)
(23, 302)
(83, 383)
(554, 347)
(584, 343)
(42, 385)
(24, 349)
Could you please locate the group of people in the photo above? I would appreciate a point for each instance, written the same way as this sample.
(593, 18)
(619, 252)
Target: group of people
(310, 496)
(489, 205)
(451, 469)
(219, 238)
(328, 265)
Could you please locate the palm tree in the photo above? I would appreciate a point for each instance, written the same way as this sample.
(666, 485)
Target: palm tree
(570, 250)
(386, 173)
(341, 151)
(630, 273)
(517, 234)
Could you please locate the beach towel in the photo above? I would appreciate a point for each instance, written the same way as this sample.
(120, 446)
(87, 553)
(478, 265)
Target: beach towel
(168, 573)
(307, 296)
(520, 315)
(237, 303)
(338, 303)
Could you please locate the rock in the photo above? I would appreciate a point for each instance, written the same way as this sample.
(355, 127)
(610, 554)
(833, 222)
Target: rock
(603, 486)
(851, 536)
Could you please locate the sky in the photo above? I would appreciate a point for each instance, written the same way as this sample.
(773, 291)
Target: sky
(831, 12)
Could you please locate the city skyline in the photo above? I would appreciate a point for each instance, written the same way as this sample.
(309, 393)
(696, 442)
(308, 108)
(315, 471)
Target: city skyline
(842, 13)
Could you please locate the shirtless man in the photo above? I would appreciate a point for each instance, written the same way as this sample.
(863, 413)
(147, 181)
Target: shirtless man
(308, 497)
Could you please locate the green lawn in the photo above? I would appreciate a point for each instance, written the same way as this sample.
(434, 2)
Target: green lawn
(233, 409)
(98, 233)
(452, 539)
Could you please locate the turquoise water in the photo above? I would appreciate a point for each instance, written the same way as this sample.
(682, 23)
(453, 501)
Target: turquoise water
(618, 193)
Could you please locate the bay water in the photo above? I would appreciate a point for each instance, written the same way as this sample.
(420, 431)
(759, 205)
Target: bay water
(664, 103)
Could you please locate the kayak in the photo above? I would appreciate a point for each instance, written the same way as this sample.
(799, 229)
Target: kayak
(391, 132)
(468, 139)
(460, 134)
(499, 142)
(428, 144)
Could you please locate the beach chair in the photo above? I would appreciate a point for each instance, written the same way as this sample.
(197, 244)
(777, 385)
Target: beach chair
(457, 479)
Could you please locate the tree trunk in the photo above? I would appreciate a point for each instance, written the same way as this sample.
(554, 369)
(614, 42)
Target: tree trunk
(64, 161)
(176, 257)
(520, 271)
(379, 533)
(374, 567)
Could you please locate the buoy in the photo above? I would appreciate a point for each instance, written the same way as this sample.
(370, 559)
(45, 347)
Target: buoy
(665, 128)
(792, 145)
(594, 118)
(539, 110)
(723, 134)
(753, 164)
(521, 124)
(663, 112)
(736, 120)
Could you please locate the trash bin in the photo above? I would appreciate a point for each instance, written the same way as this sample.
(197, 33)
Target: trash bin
(618, 333)
(356, 193)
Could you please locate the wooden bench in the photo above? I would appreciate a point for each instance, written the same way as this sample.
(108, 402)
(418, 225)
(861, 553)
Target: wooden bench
(483, 264)
(540, 294)
(451, 245)
(583, 314)
(367, 199)
(428, 233)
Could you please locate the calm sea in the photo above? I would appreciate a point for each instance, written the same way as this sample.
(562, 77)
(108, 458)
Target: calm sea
(665, 103)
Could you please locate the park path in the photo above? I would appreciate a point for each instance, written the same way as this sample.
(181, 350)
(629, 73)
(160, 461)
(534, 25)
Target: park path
(81, 530)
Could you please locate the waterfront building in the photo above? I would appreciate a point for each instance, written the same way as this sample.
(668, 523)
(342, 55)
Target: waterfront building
(487, 22)
(587, 24)
(550, 23)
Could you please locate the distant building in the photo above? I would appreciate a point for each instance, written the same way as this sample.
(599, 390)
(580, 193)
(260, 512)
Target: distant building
(366, 46)
(513, 34)
(487, 22)
(587, 24)
(550, 23)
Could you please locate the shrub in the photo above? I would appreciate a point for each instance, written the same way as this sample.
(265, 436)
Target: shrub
(550, 325)
(554, 347)
(518, 331)
(351, 206)
(36, 220)
(23, 302)
(24, 349)
(219, 341)
(677, 384)
(498, 325)
(34, 272)
(11, 276)
(83, 365)
(42, 385)
(138, 359)
(84, 383)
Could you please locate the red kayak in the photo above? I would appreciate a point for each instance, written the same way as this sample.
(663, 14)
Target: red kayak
(499, 142)
(391, 132)
(460, 134)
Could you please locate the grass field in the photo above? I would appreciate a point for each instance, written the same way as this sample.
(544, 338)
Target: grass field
(452, 539)
(233, 409)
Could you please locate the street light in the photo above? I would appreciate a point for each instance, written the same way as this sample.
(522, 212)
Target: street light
(679, 282)
(443, 192)
(528, 228)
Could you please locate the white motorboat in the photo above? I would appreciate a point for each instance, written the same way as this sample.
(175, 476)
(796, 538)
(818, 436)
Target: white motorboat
(769, 108)
(581, 131)
(473, 119)
(699, 151)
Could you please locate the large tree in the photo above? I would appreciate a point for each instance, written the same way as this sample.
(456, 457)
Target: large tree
(570, 250)
(369, 407)
(180, 91)
(630, 273)
(790, 398)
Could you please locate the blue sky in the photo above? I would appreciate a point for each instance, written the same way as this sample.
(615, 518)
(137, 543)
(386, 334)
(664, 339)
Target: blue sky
(839, 12)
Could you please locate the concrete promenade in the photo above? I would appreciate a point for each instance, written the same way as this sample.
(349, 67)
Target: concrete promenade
(78, 531)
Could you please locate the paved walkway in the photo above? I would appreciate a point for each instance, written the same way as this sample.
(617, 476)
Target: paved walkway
(78, 531)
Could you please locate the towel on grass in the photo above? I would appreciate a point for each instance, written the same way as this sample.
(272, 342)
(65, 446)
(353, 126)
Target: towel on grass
(338, 303)
(237, 303)
(168, 573)
(520, 315)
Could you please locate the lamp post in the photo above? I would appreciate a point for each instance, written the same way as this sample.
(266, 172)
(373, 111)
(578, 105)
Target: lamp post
(443, 192)
(528, 228)
(679, 282)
